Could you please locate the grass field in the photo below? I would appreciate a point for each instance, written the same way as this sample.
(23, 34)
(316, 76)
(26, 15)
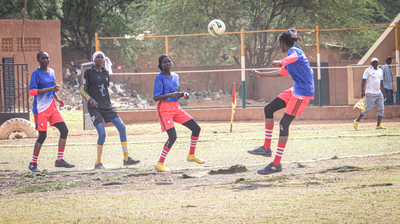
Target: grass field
(331, 174)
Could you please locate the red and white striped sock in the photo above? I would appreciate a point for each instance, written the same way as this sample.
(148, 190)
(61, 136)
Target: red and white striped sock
(269, 128)
(279, 153)
(164, 154)
(60, 155)
(35, 157)
(193, 143)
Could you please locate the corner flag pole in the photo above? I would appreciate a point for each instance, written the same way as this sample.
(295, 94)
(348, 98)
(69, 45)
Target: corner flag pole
(233, 104)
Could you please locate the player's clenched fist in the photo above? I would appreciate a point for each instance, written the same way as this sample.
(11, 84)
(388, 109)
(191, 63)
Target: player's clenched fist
(255, 73)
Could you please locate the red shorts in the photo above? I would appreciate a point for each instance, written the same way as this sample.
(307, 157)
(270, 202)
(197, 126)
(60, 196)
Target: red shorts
(170, 111)
(295, 104)
(51, 115)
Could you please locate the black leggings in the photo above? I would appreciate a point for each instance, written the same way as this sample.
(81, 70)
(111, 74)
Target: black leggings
(274, 106)
(62, 127)
(192, 125)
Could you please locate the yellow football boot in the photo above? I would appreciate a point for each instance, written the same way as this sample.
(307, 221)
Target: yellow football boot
(160, 167)
(355, 124)
(194, 158)
(380, 127)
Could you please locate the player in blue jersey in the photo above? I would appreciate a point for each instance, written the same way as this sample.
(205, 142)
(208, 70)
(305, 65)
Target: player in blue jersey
(43, 86)
(167, 92)
(95, 90)
(294, 99)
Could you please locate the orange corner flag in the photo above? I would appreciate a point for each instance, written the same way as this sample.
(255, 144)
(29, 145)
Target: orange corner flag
(360, 105)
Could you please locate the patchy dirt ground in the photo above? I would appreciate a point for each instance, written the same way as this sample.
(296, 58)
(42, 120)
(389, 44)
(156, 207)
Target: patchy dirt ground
(331, 173)
(16, 180)
(323, 172)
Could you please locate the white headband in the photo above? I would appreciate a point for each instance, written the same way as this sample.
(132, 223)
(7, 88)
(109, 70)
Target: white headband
(107, 61)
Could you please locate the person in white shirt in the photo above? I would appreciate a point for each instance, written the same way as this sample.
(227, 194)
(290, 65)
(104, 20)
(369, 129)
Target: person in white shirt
(374, 93)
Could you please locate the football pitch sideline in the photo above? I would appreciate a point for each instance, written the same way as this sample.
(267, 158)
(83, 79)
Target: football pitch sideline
(331, 174)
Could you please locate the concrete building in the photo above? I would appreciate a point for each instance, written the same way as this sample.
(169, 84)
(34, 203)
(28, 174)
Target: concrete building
(40, 35)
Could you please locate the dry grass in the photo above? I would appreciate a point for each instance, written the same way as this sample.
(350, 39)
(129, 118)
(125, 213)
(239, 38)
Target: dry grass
(331, 174)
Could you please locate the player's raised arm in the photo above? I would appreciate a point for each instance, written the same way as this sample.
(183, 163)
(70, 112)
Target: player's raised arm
(258, 74)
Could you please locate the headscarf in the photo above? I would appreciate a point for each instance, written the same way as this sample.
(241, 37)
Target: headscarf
(292, 32)
(107, 61)
(160, 59)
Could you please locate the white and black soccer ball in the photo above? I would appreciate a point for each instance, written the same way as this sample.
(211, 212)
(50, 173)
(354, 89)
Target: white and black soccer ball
(216, 28)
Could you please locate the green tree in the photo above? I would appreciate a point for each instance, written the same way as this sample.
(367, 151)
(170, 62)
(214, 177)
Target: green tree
(187, 16)
(37, 9)
(80, 19)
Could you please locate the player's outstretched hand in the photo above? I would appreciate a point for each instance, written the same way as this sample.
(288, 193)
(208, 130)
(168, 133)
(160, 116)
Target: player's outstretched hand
(93, 103)
(186, 95)
(255, 73)
(61, 102)
(276, 63)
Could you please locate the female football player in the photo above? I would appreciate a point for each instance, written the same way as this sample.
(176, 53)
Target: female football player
(95, 89)
(43, 86)
(167, 93)
(294, 99)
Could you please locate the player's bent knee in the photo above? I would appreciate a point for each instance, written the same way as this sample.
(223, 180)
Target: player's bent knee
(269, 113)
(172, 138)
(102, 135)
(42, 137)
(196, 131)
(101, 139)
(284, 130)
(62, 128)
(122, 128)
(284, 124)
(64, 133)
(171, 135)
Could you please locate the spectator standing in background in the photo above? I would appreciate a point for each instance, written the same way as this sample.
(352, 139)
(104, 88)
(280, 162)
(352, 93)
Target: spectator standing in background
(388, 80)
(374, 93)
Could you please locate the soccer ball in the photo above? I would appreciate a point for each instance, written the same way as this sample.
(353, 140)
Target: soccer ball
(216, 28)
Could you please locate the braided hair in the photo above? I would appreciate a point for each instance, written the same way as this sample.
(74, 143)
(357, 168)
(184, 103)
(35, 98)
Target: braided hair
(289, 37)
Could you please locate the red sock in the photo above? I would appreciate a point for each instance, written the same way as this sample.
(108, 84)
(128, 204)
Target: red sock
(279, 153)
(60, 155)
(35, 157)
(193, 142)
(164, 154)
(269, 128)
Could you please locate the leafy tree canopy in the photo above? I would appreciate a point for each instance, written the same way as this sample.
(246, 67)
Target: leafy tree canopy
(80, 19)
(188, 16)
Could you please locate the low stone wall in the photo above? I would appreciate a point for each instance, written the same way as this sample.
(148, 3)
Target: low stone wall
(257, 114)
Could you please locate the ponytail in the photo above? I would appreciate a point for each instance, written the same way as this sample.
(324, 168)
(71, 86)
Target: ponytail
(289, 37)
